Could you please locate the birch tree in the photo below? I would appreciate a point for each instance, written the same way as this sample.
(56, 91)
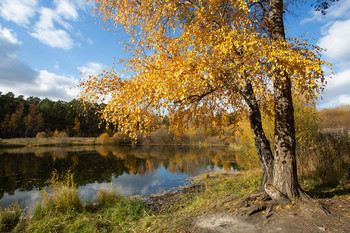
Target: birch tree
(195, 59)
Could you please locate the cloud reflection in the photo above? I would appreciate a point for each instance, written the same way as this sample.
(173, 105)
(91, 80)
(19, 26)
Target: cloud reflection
(134, 184)
(139, 170)
(24, 198)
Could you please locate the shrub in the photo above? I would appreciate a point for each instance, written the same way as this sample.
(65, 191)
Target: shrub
(161, 136)
(185, 139)
(197, 136)
(214, 140)
(121, 138)
(41, 135)
(58, 134)
(103, 139)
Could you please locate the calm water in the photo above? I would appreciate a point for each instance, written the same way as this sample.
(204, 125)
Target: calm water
(137, 170)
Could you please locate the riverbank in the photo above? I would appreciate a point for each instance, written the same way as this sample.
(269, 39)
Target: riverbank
(85, 141)
(47, 142)
(211, 205)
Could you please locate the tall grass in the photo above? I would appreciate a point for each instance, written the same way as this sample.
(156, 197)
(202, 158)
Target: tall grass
(9, 217)
(108, 197)
(327, 161)
(323, 156)
(62, 196)
(62, 211)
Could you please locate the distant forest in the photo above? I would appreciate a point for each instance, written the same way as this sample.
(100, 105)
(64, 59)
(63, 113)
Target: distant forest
(20, 117)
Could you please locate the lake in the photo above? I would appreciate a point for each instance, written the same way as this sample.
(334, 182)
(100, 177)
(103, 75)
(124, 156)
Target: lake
(134, 170)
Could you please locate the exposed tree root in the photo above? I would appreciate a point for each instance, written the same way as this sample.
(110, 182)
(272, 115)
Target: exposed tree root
(268, 201)
(255, 203)
(276, 195)
(254, 198)
(312, 205)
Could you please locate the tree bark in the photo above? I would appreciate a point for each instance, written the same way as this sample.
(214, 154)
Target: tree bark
(261, 143)
(285, 168)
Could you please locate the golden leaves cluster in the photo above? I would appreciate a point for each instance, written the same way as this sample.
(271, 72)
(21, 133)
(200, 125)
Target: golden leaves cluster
(191, 59)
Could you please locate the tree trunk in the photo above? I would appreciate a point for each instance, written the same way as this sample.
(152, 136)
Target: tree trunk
(261, 143)
(285, 168)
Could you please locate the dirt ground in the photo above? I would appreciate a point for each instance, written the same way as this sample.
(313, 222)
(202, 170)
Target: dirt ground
(299, 218)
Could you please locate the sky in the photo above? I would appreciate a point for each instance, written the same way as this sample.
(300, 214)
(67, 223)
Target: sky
(47, 46)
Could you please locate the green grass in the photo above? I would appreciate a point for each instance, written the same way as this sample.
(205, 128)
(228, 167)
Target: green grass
(108, 198)
(9, 217)
(61, 209)
(218, 192)
(62, 197)
(46, 142)
(123, 216)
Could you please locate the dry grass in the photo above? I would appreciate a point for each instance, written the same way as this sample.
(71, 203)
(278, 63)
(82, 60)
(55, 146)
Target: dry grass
(62, 196)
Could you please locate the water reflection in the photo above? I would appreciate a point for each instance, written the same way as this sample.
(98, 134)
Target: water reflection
(137, 170)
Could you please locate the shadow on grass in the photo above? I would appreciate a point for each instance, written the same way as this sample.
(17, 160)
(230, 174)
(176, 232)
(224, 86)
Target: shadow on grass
(321, 192)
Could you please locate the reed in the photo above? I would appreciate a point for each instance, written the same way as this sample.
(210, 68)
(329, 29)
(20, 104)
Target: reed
(9, 217)
(108, 197)
(61, 196)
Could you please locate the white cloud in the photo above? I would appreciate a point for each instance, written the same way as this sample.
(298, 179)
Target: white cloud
(48, 30)
(44, 85)
(337, 90)
(9, 44)
(90, 41)
(12, 69)
(342, 100)
(9, 35)
(55, 86)
(18, 11)
(45, 31)
(17, 76)
(54, 38)
(54, 25)
(337, 101)
(336, 40)
(339, 84)
(66, 9)
(338, 10)
(83, 4)
(91, 68)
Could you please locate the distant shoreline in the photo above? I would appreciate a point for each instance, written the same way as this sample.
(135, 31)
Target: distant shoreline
(78, 141)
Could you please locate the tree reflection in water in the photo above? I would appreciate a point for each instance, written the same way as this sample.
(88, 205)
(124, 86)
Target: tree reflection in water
(27, 170)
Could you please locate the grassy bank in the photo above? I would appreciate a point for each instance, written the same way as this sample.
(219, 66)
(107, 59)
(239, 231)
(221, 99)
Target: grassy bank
(62, 210)
(78, 141)
(46, 142)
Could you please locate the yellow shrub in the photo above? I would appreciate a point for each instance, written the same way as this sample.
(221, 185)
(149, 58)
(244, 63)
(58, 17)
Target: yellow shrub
(103, 139)
(121, 138)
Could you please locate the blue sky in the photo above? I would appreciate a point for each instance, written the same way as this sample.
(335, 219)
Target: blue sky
(46, 45)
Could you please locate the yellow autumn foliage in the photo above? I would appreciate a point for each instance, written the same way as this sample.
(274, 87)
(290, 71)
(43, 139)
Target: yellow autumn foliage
(191, 60)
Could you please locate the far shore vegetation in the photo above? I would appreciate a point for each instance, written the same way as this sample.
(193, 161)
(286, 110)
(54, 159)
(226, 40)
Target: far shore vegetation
(33, 122)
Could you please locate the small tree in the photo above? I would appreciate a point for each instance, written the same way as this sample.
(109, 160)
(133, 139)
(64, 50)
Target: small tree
(34, 121)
